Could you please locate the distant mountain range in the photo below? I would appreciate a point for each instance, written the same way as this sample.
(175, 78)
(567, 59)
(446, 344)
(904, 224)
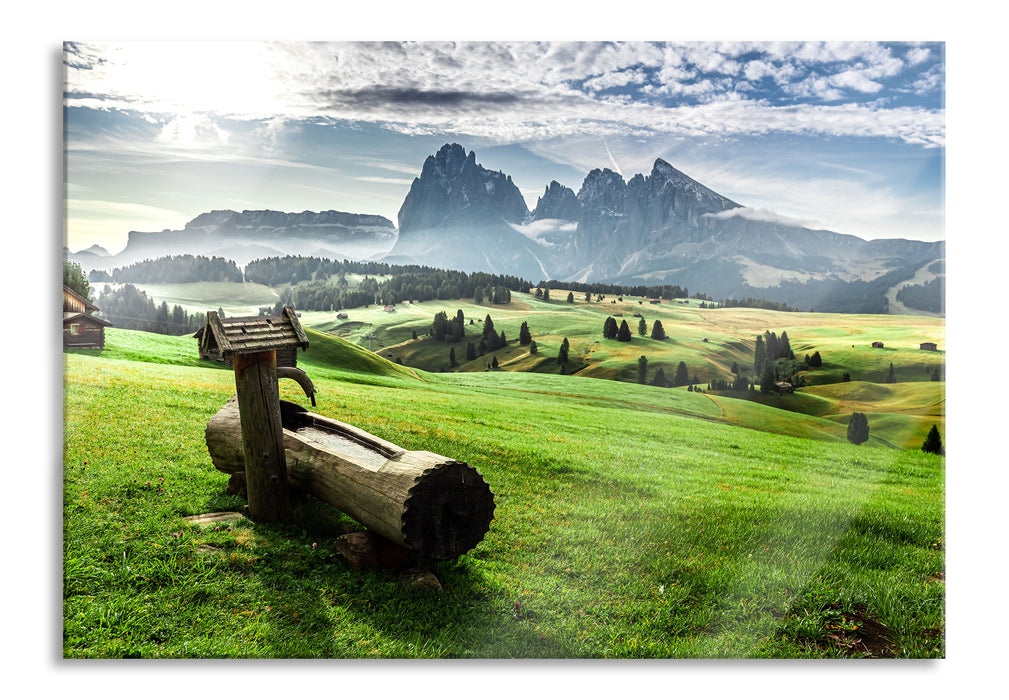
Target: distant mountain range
(659, 228)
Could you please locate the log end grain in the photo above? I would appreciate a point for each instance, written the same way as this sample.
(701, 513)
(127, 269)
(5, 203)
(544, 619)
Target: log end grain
(448, 511)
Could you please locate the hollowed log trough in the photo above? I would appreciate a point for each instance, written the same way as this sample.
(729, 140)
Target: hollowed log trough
(437, 507)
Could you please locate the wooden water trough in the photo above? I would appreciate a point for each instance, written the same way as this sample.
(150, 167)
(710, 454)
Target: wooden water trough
(436, 507)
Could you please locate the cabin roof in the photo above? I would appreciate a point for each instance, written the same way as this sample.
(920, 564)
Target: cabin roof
(88, 306)
(72, 316)
(245, 334)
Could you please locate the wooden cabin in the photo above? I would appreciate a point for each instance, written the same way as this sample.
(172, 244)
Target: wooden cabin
(784, 388)
(877, 344)
(928, 346)
(80, 328)
(221, 338)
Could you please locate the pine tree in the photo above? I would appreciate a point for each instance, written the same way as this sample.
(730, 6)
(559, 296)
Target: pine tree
(642, 328)
(858, 428)
(546, 294)
(642, 369)
(470, 351)
(624, 334)
(533, 347)
(562, 354)
(571, 297)
(815, 360)
(767, 378)
(681, 378)
(610, 328)
(524, 336)
(660, 378)
(494, 362)
(933, 442)
(439, 327)
(658, 332)
(759, 356)
(451, 358)
(73, 277)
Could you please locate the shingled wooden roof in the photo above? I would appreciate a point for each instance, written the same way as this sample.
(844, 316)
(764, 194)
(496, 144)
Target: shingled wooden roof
(244, 334)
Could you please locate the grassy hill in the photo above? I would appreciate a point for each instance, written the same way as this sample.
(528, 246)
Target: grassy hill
(631, 521)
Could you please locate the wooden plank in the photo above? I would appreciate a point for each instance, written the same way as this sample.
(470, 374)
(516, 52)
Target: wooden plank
(262, 435)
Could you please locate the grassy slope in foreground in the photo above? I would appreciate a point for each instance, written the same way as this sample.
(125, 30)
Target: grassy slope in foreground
(620, 531)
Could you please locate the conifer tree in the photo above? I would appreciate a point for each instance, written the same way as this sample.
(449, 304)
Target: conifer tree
(858, 428)
(470, 351)
(767, 378)
(624, 334)
(658, 332)
(933, 442)
(562, 354)
(759, 356)
(681, 378)
(494, 362)
(660, 378)
(610, 328)
(533, 347)
(642, 369)
(524, 336)
(571, 297)
(451, 358)
(642, 328)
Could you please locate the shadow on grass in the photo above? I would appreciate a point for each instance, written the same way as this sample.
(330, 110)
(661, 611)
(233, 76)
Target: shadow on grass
(303, 600)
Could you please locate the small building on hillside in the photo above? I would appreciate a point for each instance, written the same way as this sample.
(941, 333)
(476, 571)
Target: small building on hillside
(877, 344)
(928, 346)
(221, 338)
(784, 388)
(81, 329)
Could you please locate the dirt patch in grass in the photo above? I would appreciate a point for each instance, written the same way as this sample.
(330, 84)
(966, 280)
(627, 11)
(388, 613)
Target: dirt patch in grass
(856, 634)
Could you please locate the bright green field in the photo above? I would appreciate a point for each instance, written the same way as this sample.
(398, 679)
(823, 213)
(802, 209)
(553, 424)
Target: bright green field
(631, 521)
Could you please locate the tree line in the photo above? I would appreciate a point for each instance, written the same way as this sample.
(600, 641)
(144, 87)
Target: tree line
(128, 307)
(173, 269)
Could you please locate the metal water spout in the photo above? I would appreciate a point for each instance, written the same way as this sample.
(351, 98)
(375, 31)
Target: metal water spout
(299, 376)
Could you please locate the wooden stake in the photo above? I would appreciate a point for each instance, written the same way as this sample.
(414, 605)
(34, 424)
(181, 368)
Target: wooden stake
(262, 435)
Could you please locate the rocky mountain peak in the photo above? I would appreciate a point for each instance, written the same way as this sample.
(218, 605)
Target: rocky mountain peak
(454, 190)
(557, 202)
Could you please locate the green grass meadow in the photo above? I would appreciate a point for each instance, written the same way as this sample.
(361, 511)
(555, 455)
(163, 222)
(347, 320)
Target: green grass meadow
(631, 521)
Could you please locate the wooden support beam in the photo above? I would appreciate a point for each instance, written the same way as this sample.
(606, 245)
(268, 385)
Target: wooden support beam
(262, 435)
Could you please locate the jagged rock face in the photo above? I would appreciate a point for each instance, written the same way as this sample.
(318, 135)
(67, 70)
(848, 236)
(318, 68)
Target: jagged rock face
(453, 190)
(558, 202)
(459, 215)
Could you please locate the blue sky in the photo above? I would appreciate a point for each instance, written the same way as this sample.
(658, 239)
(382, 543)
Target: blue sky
(848, 136)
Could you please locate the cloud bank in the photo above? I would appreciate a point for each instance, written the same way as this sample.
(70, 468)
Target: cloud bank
(512, 92)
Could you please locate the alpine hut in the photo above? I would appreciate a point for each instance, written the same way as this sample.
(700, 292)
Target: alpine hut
(81, 329)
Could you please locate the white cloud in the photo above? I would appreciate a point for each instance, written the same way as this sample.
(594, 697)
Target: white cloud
(761, 214)
(495, 90)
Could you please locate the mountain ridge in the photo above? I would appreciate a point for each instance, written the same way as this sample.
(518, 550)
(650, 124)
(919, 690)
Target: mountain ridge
(662, 227)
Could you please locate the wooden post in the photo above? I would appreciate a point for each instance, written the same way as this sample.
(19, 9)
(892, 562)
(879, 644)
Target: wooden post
(262, 435)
